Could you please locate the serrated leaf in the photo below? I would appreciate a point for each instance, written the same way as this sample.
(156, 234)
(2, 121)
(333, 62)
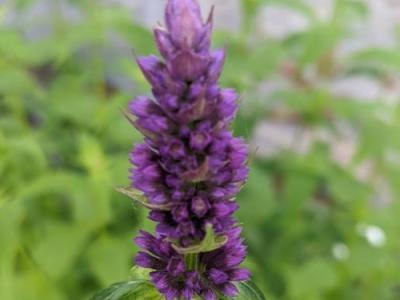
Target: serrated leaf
(131, 290)
(210, 242)
(141, 198)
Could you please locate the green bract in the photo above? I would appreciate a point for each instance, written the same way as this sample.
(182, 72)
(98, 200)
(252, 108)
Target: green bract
(209, 243)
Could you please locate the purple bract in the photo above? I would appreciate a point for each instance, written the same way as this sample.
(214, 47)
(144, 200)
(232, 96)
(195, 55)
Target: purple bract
(189, 167)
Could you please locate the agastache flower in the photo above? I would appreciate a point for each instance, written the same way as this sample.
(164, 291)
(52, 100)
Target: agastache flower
(189, 167)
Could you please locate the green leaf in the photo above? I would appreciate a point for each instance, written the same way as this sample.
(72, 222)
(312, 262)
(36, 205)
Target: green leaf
(317, 42)
(209, 243)
(388, 59)
(323, 274)
(248, 291)
(131, 290)
(259, 188)
(65, 240)
(109, 270)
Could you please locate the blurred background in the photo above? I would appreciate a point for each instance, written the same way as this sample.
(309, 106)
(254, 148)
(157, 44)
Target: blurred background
(320, 86)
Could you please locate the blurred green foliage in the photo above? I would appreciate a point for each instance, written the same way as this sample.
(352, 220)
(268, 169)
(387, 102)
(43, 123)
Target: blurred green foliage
(65, 232)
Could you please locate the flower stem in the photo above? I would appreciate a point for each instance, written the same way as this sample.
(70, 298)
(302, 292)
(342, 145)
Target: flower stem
(191, 261)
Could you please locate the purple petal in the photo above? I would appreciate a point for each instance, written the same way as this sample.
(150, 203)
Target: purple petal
(145, 260)
(198, 174)
(164, 42)
(216, 65)
(176, 266)
(140, 155)
(227, 106)
(189, 112)
(188, 294)
(204, 39)
(200, 206)
(240, 275)
(217, 276)
(140, 106)
(230, 290)
(169, 102)
(157, 216)
(186, 228)
(180, 213)
(166, 230)
(222, 177)
(145, 240)
(174, 182)
(224, 209)
(176, 149)
(240, 174)
(199, 140)
(152, 69)
(210, 295)
(151, 172)
(183, 20)
(193, 280)
(187, 65)
(160, 280)
(158, 198)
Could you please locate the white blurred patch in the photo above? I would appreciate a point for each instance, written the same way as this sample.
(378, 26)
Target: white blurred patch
(379, 30)
(323, 9)
(364, 171)
(383, 194)
(147, 13)
(359, 87)
(270, 138)
(277, 21)
(340, 251)
(37, 20)
(228, 14)
(343, 143)
(375, 235)
(382, 24)
(343, 150)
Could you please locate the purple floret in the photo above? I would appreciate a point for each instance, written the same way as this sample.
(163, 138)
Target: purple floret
(218, 269)
(190, 166)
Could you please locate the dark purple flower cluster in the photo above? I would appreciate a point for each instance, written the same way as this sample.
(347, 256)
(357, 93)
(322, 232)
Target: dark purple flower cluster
(218, 268)
(189, 167)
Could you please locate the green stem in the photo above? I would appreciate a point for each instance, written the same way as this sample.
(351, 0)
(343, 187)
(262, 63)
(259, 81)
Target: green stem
(191, 261)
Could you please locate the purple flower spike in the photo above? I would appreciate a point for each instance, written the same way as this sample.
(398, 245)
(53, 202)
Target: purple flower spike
(189, 167)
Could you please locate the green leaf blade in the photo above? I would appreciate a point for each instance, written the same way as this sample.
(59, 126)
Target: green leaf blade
(130, 290)
(248, 290)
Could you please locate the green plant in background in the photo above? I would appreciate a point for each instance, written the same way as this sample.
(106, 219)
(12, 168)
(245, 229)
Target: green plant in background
(323, 232)
(63, 149)
(319, 230)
